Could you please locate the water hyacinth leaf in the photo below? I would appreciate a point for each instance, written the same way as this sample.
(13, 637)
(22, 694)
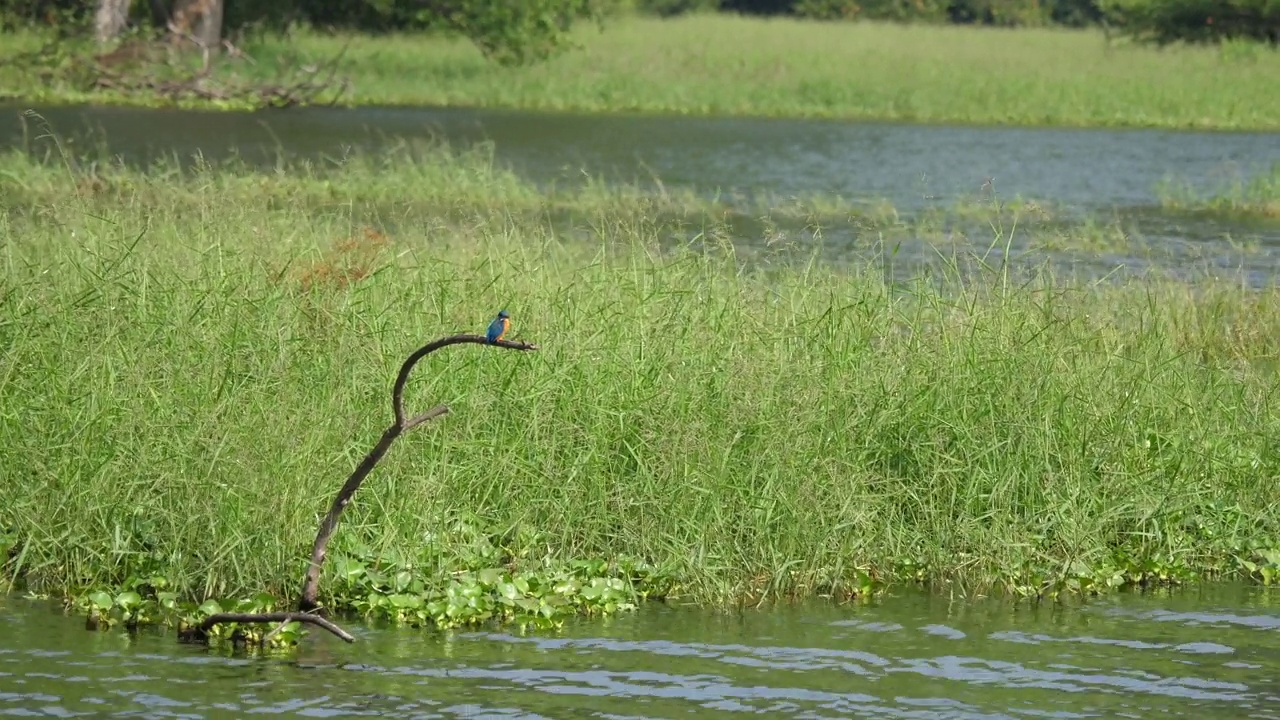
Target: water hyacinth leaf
(508, 590)
(101, 600)
(401, 600)
(128, 600)
(349, 569)
(403, 579)
(209, 607)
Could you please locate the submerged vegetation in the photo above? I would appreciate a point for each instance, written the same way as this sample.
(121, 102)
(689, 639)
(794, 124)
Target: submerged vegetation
(1242, 197)
(192, 359)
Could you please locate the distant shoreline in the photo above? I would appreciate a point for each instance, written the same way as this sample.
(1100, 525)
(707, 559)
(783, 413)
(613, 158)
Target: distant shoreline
(726, 66)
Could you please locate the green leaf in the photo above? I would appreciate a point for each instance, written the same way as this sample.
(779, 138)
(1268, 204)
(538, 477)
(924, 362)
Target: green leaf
(350, 569)
(403, 578)
(401, 600)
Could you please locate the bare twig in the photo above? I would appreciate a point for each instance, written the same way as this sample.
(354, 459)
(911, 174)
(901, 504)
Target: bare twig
(280, 617)
(311, 581)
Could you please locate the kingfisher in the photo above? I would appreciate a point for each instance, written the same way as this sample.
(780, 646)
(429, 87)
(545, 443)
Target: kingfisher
(498, 328)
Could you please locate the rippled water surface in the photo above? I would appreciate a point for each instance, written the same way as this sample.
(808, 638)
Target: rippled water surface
(1199, 654)
(1102, 173)
(912, 166)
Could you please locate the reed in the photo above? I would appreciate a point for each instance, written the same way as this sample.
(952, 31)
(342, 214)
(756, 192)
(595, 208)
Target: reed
(192, 360)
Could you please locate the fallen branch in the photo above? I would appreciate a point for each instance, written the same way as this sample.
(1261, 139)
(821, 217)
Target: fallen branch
(280, 617)
(401, 425)
(304, 88)
(155, 68)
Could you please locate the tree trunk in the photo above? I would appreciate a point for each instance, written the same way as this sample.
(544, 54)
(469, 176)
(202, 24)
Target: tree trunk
(160, 14)
(110, 19)
(201, 20)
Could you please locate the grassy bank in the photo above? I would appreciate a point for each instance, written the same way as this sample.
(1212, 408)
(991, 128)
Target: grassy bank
(192, 362)
(788, 68)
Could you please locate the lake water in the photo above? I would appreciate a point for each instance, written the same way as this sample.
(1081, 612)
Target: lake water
(1106, 174)
(1211, 653)
(912, 166)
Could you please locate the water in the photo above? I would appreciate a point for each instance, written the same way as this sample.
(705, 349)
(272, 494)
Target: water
(913, 166)
(1109, 174)
(1210, 653)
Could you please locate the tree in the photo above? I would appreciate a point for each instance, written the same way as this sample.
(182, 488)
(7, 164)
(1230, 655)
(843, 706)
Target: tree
(508, 31)
(198, 20)
(110, 19)
(1202, 21)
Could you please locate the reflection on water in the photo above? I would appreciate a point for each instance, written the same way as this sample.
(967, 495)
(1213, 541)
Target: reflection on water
(1211, 653)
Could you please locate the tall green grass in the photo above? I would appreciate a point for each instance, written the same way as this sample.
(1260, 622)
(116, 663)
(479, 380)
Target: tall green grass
(191, 362)
(728, 65)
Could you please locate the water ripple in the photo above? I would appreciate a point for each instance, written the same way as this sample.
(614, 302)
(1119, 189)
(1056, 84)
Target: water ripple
(907, 659)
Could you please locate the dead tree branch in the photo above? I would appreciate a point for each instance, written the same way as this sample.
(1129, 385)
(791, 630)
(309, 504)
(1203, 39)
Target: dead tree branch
(400, 425)
(298, 86)
(279, 617)
(159, 69)
(310, 584)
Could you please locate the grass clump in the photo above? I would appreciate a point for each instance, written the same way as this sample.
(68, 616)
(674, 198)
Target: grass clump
(190, 361)
(1252, 197)
(781, 67)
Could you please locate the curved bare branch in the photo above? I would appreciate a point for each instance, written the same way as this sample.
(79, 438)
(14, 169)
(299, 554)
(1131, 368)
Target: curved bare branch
(400, 425)
(397, 392)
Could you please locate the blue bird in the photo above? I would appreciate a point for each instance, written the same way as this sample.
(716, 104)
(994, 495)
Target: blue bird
(498, 328)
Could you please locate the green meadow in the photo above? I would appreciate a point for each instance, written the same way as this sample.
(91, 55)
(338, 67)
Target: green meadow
(192, 361)
(729, 65)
